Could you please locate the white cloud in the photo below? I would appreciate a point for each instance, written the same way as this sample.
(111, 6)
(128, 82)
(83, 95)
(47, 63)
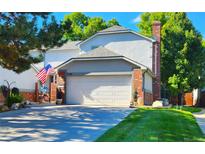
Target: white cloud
(137, 19)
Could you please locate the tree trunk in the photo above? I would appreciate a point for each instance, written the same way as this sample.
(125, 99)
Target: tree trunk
(182, 98)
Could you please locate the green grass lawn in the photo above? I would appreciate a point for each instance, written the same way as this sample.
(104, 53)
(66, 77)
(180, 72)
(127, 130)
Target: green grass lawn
(188, 108)
(151, 125)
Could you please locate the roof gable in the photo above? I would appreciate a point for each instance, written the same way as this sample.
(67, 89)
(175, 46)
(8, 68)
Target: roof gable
(99, 52)
(114, 30)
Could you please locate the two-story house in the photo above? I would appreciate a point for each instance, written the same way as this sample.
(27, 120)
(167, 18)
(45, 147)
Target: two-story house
(106, 69)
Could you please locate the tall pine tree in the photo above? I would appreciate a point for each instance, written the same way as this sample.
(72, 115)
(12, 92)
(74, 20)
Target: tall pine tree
(21, 32)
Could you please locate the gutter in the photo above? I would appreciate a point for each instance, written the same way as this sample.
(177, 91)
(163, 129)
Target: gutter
(97, 73)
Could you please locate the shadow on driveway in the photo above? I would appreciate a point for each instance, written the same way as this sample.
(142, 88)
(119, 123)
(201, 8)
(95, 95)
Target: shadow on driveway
(64, 123)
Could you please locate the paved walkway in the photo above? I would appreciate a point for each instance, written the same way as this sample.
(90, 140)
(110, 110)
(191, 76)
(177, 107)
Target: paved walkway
(59, 123)
(200, 118)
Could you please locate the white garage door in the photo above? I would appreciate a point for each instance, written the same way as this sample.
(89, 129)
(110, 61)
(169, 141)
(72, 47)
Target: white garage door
(99, 90)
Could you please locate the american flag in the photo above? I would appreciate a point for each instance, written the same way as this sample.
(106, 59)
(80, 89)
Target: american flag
(43, 74)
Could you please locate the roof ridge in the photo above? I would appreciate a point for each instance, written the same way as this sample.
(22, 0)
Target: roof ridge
(114, 28)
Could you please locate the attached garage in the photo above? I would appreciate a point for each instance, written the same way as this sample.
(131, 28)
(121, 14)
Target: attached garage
(103, 78)
(111, 90)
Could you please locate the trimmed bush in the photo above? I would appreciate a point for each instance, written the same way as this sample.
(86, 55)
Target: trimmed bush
(13, 99)
(15, 91)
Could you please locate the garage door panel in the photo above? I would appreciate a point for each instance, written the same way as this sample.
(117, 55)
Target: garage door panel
(99, 90)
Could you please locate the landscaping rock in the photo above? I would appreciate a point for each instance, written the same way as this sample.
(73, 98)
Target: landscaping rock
(22, 105)
(165, 102)
(4, 108)
(157, 104)
(15, 106)
(28, 102)
(25, 104)
(132, 105)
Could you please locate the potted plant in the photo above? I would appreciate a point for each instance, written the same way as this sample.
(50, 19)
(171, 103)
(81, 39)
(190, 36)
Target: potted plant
(59, 99)
(133, 103)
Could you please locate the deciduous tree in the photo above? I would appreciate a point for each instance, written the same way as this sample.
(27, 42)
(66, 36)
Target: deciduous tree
(83, 26)
(182, 51)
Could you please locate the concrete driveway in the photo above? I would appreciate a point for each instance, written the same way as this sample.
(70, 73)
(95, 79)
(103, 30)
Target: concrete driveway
(59, 123)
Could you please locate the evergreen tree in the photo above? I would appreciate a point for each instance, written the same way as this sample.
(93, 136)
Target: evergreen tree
(21, 32)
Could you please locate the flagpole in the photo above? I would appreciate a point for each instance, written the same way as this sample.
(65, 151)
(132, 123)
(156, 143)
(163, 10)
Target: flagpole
(44, 61)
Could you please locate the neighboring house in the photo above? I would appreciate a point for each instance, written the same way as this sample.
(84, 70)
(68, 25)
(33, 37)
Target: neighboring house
(107, 68)
(26, 81)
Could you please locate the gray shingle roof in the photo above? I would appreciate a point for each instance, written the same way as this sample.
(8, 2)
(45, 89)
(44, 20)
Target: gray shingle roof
(70, 45)
(99, 52)
(114, 29)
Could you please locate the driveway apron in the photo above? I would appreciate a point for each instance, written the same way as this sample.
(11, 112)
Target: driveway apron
(59, 123)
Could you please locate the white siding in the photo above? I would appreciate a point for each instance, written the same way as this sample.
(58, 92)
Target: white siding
(126, 44)
(147, 82)
(24, 81)
(98, 66)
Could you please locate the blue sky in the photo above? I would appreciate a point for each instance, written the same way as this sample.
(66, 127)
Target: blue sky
(130, 19)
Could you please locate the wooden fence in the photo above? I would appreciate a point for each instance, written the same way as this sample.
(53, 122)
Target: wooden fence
(188, 99)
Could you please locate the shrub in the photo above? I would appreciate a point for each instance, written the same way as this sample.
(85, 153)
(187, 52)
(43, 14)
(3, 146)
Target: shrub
(13, 99)
(15, 91)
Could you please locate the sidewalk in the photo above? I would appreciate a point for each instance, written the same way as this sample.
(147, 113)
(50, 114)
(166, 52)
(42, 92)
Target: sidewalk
(200, 118)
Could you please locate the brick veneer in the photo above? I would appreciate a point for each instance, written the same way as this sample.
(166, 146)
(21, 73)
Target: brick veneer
(138, 82)
(52, 92)
(1, 97)
(31, 96)
(26, 96)
(36, 92)
(62, 81)
(156, 28)
(148, 98)
(144, 97)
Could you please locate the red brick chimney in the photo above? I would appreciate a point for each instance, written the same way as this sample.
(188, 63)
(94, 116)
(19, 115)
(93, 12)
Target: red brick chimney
(156, 28)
